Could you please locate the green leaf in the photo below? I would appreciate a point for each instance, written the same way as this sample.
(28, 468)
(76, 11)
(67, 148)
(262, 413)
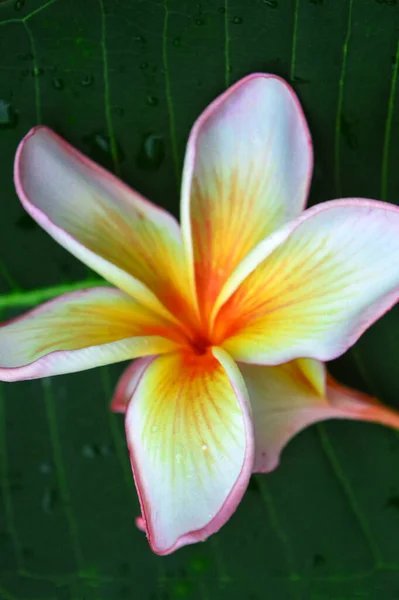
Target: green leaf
(124, 80)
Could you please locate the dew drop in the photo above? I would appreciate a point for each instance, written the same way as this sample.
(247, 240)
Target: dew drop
(48, 500)
(204, 447)
(118, 110)
(199, 22)
(103, 142)
(89, 451)
(179, 457)
(271, 3)
(237, 20)
(177, 42)
(139, 38)
(8, 116)
(144, 66)
(152, 100)
(87, 80)
(45, 468)
(46, 383)
(37, 71)
(105, 450)
(57, 83)
(19, 4)
(151, 152)
(222, 10)
(100, 149)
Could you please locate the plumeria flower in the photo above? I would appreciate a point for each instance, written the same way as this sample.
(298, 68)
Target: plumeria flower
(230, 315)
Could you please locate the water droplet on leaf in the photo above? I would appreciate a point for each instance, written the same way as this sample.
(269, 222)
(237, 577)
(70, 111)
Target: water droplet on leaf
(87, 80)
(199, 22)
(37, 71)
(100, 150)
(144, 66)
(222, 10)
(57, 83)
(271, 3)
(105, 450)
(48, 500)
(152, 100)
(19, 4)
(103, 142)
(46, 383)
(89, 451)
(204, 447)
(151, 152)
(177, 42)
(8, 116)
(45, 468)
(237, 20)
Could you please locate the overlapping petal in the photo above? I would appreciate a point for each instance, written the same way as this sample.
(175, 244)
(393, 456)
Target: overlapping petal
(336, 273)
(81, 330)
(129, 241)
(247, 171)
(191, 442)
(284, 401)
(128, 383)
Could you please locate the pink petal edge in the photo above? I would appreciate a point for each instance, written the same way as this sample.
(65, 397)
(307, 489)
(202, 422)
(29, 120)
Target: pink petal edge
(127, 384)
(38, 368)
(240, 486)
(87, 162)
(67, 240)
(190, 156)
(267, 246)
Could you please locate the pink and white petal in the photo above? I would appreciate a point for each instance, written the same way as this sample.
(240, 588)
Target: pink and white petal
(284, 402)
(128, 383)
(247, 171)
(190, 437)
(358, 406)
(316, 293)
(78, 331)
(115, 231)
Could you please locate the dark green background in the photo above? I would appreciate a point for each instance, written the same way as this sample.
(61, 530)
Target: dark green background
(124, 80)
